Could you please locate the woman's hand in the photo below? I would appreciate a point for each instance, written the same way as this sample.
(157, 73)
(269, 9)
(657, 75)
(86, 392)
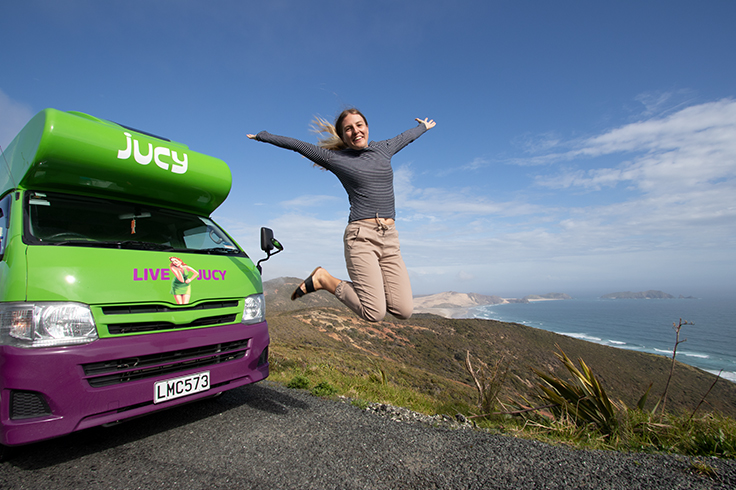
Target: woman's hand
(251, 136)
(428, 123)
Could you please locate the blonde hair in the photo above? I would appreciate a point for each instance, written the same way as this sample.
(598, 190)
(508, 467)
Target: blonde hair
(327, 134)
(333, 133)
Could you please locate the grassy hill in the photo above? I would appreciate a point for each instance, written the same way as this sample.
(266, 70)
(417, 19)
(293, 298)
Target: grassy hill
(424, 356)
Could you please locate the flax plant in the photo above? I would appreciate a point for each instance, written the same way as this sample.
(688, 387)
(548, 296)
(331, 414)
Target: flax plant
(583, 399)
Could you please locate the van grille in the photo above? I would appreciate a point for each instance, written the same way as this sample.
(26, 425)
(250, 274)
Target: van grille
(140, 327)
(134, 368)
(158, 317)
(154, 308)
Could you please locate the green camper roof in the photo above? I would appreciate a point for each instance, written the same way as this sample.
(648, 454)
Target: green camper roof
(78, 153)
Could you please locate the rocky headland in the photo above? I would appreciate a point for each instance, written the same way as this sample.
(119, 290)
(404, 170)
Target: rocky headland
(451, 304)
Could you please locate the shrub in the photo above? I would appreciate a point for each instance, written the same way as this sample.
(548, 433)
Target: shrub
(298, 382)
(584, 399)
(488, 381)
(324, 389)
(710, 435)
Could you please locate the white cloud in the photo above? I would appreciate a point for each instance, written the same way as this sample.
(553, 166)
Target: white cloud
(671, 193)
(660, 102)
(650, 203)
(538, 143)
(465, 276)
(310, 201)
(698, 136)
(13, 116)
(308, 242)
(682, 168)
(434, 202)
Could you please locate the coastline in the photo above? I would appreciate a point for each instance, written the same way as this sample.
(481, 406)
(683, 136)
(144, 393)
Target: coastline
(458, 312)
(652, 317)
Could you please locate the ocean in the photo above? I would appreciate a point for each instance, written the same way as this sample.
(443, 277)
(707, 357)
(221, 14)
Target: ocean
(637, 324)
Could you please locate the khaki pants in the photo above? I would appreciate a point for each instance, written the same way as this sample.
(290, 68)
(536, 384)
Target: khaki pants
(380, 281)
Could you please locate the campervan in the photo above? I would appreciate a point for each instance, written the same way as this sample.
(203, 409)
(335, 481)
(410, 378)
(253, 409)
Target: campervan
(119, 294)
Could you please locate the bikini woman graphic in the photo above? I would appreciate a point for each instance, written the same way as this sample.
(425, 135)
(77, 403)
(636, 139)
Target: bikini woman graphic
(180, 284)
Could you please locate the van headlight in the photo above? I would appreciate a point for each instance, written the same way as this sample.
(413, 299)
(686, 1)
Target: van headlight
(46, 324)
(254, 309)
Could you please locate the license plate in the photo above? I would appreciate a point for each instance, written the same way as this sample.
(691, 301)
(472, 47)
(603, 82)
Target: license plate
(181, 386)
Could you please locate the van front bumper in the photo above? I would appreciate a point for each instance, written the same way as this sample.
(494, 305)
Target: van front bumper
(49, 392)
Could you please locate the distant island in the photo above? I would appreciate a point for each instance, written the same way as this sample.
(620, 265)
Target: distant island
(546, 297)
(426, 353)
(651, 294)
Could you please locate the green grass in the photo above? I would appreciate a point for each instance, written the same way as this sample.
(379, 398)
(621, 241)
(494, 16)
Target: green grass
(708, 435)
(419, 364)
(363, 379)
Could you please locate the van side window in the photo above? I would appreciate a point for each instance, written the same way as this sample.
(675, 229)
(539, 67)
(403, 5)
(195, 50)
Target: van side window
(4, 221)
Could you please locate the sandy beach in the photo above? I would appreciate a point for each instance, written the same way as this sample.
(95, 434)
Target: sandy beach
(446, 312)
(459, 305)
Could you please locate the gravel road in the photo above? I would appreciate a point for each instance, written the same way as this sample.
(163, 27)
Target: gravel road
(267, 436)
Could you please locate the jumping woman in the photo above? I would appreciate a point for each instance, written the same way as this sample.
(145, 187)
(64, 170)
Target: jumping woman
(379, 281)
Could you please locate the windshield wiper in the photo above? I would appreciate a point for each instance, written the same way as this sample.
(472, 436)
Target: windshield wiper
(127, 244)
(84, 243)
(133, 244)
(221, 251)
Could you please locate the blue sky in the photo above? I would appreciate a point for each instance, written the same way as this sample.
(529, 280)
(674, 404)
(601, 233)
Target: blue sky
(580, 147)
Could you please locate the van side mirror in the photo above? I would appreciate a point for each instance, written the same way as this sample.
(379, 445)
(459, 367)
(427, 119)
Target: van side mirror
(268, 243)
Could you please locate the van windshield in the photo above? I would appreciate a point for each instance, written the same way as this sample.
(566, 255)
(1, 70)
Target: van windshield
(67, 220)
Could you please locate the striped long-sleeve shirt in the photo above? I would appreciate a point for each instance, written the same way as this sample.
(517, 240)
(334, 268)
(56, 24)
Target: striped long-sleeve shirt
(365, 174)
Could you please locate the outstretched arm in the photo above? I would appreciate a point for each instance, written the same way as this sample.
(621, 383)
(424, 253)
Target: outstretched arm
(428, 123)
(395, 144)
(318, 155)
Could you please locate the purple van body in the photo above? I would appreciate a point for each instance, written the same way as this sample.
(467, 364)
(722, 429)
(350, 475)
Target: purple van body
(61, 376)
